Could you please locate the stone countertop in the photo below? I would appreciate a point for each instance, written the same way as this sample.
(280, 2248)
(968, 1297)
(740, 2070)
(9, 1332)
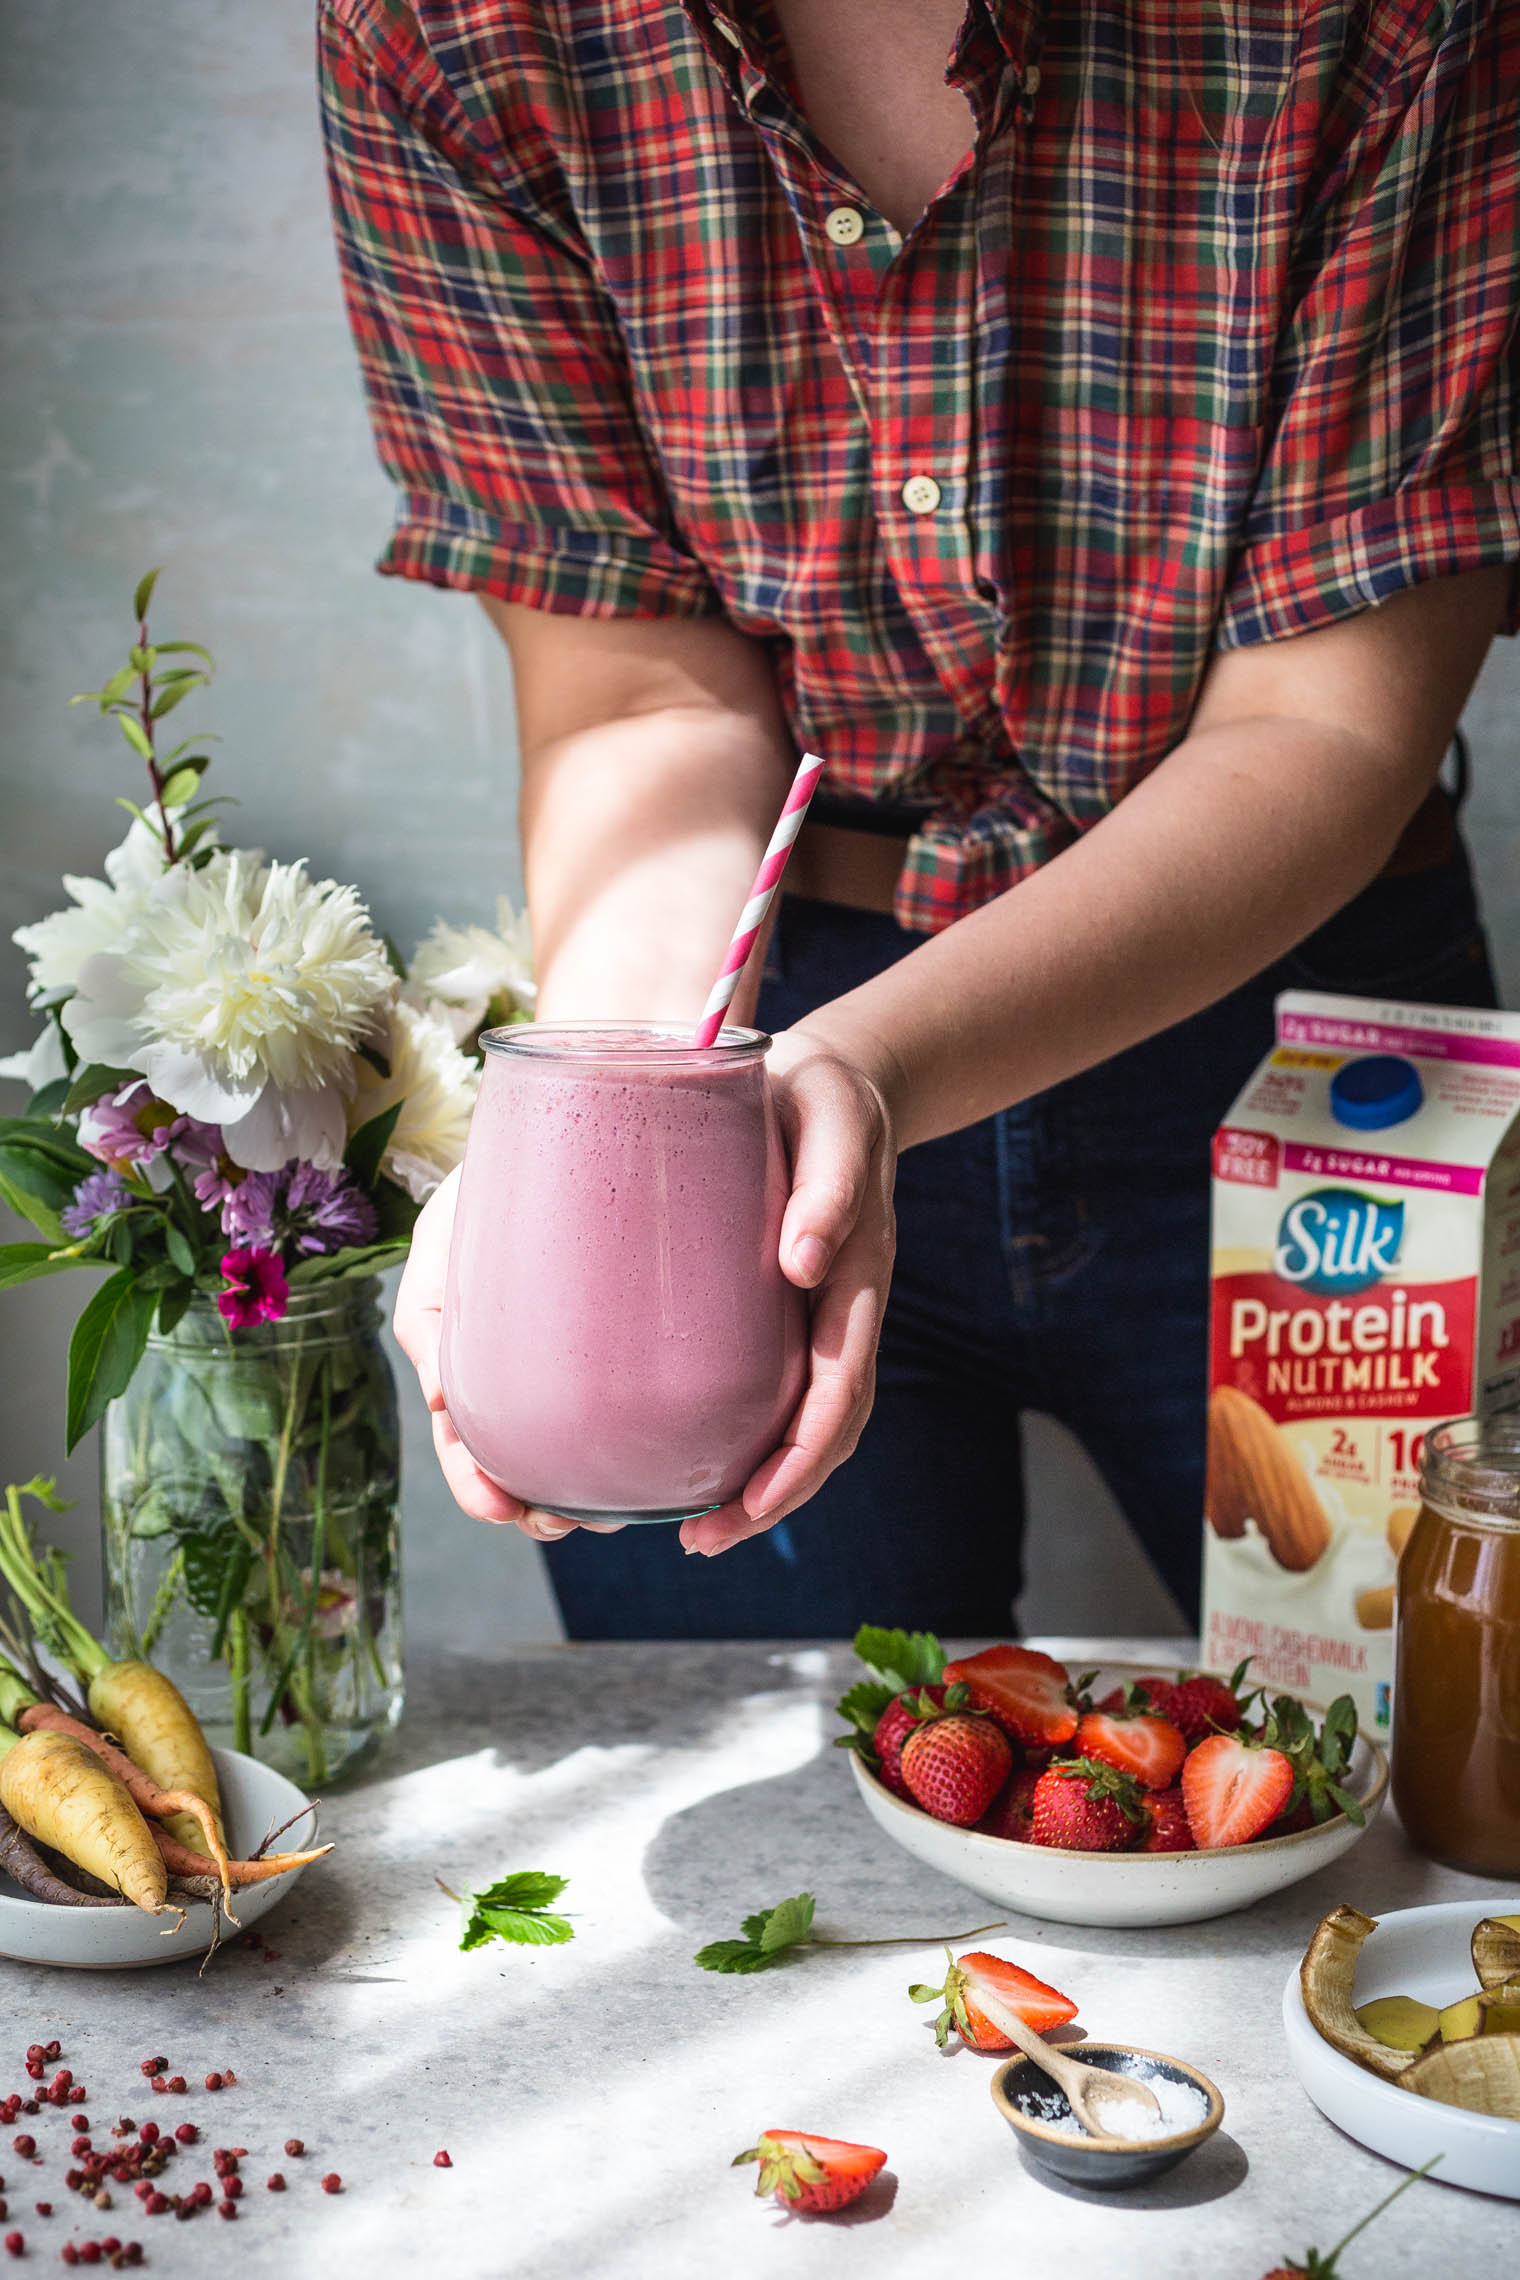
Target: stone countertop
(592, 2096)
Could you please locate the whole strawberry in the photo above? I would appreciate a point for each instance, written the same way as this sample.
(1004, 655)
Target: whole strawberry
(954, 1766)
(811, 2175)
(896, 1723)
(1011, 1813)
(1201, 1705)
(1167, 1827)
(978, 1976)
(1083, 1806)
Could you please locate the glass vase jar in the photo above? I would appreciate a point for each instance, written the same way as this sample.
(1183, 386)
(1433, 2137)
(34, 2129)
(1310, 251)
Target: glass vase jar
(250, 1500)
(1456, 1698)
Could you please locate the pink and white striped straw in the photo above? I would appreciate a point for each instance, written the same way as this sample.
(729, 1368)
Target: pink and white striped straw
(767, 879)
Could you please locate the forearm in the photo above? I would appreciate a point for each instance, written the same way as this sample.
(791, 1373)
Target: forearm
(1304, 761)
(1243, 841)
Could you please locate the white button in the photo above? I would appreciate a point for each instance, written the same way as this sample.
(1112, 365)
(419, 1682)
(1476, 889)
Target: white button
(920, 494)
(845, 226)
(1032, 80)
(722, 24)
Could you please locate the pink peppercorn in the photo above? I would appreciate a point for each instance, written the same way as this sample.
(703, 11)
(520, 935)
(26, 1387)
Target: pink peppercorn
(14, 2243)
(213, 2082)
(79, 2146)
(69, 2253)
(229, 2079)
(78, 2094)
(44, 2208)
(149, 2133)
(201, 2194)
(63, 2077)
(89, 2252)
(187, 2133)
(52, 2049)
(156, 2203)
(232, 2186)
(154, 2065)
(175, 2082)
(274, 2184)
(24, 2145)
(226, 2208)
(294, 2146)
(442, 2161)
(332, 2182)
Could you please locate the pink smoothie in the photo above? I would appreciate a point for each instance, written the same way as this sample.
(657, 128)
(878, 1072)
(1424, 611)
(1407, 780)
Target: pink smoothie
(617, 1334)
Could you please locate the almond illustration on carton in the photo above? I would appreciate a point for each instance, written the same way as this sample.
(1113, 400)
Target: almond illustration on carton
(1254, 1475)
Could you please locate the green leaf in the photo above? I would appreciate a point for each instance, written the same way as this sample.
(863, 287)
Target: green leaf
(143, 596)
(732, 1956)
(178, 788)
(904, 1658)
(175, 694)
(93, 1083)
(114, 689)
(516, 1909)
(184, 648)
(105, 1349)
(25, 1262)
(33, 1193)
(365, 1151)
(177, 1244)
(135, 734)
(172, 1305)
(787, 1923)
(864, 1703)
(353, 1259)
(49, 1102)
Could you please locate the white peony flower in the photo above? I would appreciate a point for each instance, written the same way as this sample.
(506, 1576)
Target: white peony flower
(240, 992)
(436, 1085)
(472, 975)
(41, 1064)
(59, 945)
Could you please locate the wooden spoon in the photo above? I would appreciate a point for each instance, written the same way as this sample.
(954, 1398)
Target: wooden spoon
(1088, 2089)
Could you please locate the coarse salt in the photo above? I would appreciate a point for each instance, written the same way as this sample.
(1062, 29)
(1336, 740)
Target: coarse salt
(1182, 2106)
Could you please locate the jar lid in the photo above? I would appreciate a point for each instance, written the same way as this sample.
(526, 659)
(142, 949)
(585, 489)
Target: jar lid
(1372, 1093)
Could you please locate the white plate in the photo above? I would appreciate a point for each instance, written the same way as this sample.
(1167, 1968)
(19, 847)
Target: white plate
(1125, 1889)
(1421, 1952)
(254, 1798)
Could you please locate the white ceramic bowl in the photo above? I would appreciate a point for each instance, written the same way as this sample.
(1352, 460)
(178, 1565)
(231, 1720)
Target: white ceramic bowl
(254, 1798)
(1421, 1952)
(1125, 1889)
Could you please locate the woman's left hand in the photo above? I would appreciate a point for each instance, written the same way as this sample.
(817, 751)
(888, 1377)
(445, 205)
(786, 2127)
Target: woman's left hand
(837, 1241)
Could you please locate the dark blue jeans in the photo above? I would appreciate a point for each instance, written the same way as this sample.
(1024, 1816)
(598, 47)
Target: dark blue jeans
(1053, 1257)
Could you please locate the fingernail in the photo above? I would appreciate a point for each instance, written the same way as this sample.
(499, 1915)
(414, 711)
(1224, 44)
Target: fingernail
(809, 1257)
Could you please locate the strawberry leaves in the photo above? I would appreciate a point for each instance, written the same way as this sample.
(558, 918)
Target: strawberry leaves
(1321, 1761)
(767, 1936)
(516, 1909)
(898, 1662)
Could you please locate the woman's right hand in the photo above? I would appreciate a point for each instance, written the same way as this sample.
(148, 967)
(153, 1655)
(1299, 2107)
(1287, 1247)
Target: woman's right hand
(418, 1323)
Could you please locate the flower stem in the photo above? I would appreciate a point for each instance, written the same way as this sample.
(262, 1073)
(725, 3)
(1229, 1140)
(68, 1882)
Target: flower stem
(242, 1715)
(911, 1939)
(145, 718)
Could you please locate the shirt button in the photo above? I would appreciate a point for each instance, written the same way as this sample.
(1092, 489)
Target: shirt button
(845, 226)
(1032, 80)
(920, 494)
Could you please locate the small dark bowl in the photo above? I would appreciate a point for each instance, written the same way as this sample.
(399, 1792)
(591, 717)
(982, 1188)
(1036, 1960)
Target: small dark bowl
(1104, 2165)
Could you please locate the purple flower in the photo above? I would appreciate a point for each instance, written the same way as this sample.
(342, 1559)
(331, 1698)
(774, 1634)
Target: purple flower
(199, 1150)
(256, 1288)
(96, 1195)
(126, 1129)
(300, 1206)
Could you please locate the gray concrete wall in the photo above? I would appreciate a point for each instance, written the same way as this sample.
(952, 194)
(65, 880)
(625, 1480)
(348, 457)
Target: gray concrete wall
(177, 387)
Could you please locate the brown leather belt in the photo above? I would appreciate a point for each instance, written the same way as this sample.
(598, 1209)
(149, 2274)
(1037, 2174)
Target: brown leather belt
(832, 863)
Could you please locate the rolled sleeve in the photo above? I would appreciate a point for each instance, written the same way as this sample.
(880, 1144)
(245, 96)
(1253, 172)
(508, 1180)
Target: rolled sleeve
(1395, 431)
(491, 359)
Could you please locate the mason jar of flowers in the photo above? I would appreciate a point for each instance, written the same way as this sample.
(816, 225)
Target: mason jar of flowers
(241, 1098)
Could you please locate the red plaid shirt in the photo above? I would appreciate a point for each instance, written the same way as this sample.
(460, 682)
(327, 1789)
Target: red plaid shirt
(1212, 339)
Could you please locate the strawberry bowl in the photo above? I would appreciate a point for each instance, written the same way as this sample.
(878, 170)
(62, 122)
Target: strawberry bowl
(1126, 1889)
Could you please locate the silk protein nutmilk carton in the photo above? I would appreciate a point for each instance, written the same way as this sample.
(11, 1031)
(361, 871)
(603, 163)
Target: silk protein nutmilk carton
(1366, 1284)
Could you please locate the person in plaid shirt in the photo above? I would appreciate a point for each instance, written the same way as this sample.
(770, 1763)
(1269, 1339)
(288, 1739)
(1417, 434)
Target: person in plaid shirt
(1093, 428)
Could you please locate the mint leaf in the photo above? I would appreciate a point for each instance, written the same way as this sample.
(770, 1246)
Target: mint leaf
(903, 1658)
(516, 1909)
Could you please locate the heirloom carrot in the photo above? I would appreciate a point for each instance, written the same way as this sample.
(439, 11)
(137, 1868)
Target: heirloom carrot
(59, 1793)
(23, 1863)
(20, 1707)
(182, 1862)
(130, 1699)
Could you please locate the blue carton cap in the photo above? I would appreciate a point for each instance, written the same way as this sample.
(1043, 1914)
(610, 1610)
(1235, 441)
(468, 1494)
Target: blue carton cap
(1370, 1094)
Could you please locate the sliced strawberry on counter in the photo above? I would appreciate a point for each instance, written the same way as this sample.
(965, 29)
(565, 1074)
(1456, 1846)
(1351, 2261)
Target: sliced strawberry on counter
(1232, 1789)
(1149, 1748)
(1202, 1705)
(811, 2174)
(896, 1723)
(954, 1766)
(1028, 1693)
(1081, 1805)
(1039, 2006)
(1011, 1813)
(1167, 1825)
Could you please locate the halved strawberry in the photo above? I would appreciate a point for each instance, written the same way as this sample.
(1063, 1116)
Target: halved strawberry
(1149, 1748)
(811, 2174)
(1167, 1827)
(1028, 1693)
(1081, 1805)
(955, 1766)
(1039, 2006)
(1232, 1789)
(1010, 1814)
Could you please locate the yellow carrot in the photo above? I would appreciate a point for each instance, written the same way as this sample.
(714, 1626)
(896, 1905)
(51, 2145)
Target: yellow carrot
(62, 1795)
(166, 1805)
(159, 1732)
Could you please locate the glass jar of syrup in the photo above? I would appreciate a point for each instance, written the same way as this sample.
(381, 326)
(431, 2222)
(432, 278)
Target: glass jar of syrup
(1456, 1707)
